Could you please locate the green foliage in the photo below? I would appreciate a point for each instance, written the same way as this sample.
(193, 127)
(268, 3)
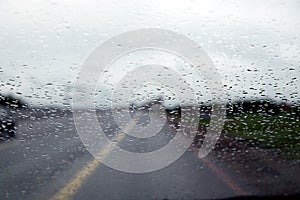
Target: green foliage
(281, 131)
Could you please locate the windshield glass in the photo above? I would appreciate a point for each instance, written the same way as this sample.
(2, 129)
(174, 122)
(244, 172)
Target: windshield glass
(149, 99)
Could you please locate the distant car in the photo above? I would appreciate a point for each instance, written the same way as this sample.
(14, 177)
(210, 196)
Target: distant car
(7, 124)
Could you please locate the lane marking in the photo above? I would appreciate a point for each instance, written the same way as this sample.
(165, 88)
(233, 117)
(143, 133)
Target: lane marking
(74, 183)
(226, 179)
(235, 187)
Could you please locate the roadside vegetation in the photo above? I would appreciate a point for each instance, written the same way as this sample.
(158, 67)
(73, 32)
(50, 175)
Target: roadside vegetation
(264, 123)
(280, 132)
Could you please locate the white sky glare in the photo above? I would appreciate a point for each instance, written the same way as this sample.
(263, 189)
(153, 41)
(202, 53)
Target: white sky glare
(254, 44)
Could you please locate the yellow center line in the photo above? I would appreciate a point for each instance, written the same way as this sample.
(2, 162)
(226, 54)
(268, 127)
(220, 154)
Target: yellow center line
(74, 183)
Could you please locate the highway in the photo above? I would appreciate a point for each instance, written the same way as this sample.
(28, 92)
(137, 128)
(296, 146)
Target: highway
(47, 160)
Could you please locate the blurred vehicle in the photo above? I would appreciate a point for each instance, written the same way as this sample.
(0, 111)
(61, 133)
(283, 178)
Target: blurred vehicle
(7, 124)
(173, 113)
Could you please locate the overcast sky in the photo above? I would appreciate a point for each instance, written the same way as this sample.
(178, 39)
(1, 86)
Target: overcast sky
(254, 44)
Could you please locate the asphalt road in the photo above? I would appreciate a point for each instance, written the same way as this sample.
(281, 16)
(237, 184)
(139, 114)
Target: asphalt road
(47, 160)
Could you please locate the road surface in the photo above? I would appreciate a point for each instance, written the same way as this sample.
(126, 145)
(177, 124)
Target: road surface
(47, 160)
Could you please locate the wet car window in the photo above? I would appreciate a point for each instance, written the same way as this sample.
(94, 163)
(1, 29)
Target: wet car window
(149, 99)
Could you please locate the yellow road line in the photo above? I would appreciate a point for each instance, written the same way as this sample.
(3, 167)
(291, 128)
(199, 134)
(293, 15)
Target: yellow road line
(73, 185)
(234, 186)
